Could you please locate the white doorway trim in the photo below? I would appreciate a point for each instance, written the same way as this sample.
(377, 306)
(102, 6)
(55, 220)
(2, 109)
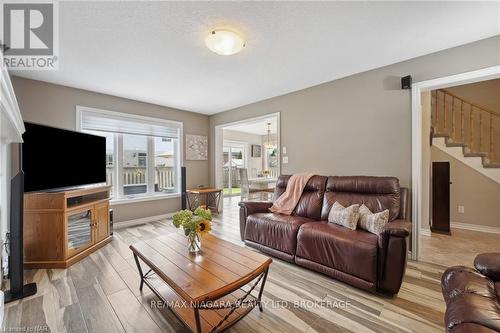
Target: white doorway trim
(219, 143)
(416, 140)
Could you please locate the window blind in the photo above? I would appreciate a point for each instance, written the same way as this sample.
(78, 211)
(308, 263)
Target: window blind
(120, 123)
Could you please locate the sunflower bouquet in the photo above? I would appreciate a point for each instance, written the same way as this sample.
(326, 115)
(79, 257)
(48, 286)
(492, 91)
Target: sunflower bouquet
(194, 224)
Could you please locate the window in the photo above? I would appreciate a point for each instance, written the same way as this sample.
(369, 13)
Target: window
(164, 180)
(142, 154)
(134, 164)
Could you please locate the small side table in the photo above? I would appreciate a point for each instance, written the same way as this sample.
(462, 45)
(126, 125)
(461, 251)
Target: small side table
(212, 198)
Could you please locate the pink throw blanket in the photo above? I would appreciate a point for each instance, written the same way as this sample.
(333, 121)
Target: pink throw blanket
(286, 203)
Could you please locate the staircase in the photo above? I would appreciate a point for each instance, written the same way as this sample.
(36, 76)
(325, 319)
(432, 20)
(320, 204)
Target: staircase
(467, 131)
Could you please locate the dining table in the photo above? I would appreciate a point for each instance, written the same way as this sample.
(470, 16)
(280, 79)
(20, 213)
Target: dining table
(262, 182)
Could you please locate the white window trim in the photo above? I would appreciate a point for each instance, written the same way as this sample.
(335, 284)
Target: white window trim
(81, 109)
(118, 169)
(143, 198)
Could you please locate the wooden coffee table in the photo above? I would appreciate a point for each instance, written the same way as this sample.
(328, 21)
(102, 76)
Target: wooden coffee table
(204, 290)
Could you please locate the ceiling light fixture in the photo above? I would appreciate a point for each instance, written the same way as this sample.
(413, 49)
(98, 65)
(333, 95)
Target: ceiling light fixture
(224, 42)
(268, 144)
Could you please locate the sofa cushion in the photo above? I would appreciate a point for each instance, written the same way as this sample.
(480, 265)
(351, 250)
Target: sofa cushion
(311, 200)
(377, 193)
(281, 184)
(345, 216)
(276, 231)
(372, 222)
(350, 251)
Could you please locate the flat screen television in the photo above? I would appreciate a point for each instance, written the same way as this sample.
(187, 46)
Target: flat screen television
(54, 158)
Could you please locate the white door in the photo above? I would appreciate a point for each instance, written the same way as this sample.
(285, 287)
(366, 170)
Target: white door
(234, 159)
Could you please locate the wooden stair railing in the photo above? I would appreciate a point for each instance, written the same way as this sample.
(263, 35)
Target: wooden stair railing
(478, 126)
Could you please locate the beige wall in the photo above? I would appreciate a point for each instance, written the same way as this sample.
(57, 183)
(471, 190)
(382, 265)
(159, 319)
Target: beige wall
(485, 93)
(356, 125)
(477, 193)
(54, 105)
(360, 124)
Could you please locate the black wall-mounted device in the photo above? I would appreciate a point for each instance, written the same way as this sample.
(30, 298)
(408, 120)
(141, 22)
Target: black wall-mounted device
(406, 82)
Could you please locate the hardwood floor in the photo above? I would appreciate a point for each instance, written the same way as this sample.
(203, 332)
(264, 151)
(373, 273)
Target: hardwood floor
(101, 294)
(459, 248)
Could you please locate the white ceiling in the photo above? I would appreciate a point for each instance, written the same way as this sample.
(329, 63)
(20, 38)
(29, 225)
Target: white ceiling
(155, 52)
(258, 127)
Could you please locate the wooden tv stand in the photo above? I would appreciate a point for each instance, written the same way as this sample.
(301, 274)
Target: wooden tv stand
(61, 228)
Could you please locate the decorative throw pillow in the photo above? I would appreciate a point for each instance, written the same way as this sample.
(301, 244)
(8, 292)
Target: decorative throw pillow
(344, 216)
(372, 222)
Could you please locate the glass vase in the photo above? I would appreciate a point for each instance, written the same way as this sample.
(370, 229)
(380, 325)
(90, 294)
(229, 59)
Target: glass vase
(194, 242)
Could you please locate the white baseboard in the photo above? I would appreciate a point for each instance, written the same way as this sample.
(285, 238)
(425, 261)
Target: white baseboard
(466, 226)
(425, 232)
(142, 220)
(475, 227)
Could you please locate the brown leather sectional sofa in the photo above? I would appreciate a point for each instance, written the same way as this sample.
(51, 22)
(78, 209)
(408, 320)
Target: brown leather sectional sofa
(362, 259)
(472, 296)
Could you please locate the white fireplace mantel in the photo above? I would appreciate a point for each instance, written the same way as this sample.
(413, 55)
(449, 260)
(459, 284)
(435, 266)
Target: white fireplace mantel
(11, 130)
(11, 122)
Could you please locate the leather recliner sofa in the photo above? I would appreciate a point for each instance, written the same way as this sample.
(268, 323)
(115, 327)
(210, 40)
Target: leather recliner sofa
(368, 261)
(472, 296)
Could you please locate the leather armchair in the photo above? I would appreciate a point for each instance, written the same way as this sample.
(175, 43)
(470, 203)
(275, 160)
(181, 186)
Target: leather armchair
(472, 295)
(488, 264)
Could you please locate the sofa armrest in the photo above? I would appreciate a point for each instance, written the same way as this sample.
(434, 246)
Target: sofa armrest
(248, 208)
(398, 228)
(488, 264)
(253, 207)
(392, 243)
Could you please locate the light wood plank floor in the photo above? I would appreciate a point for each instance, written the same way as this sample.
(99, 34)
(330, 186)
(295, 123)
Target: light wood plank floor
(100, 294)
(459, 248)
